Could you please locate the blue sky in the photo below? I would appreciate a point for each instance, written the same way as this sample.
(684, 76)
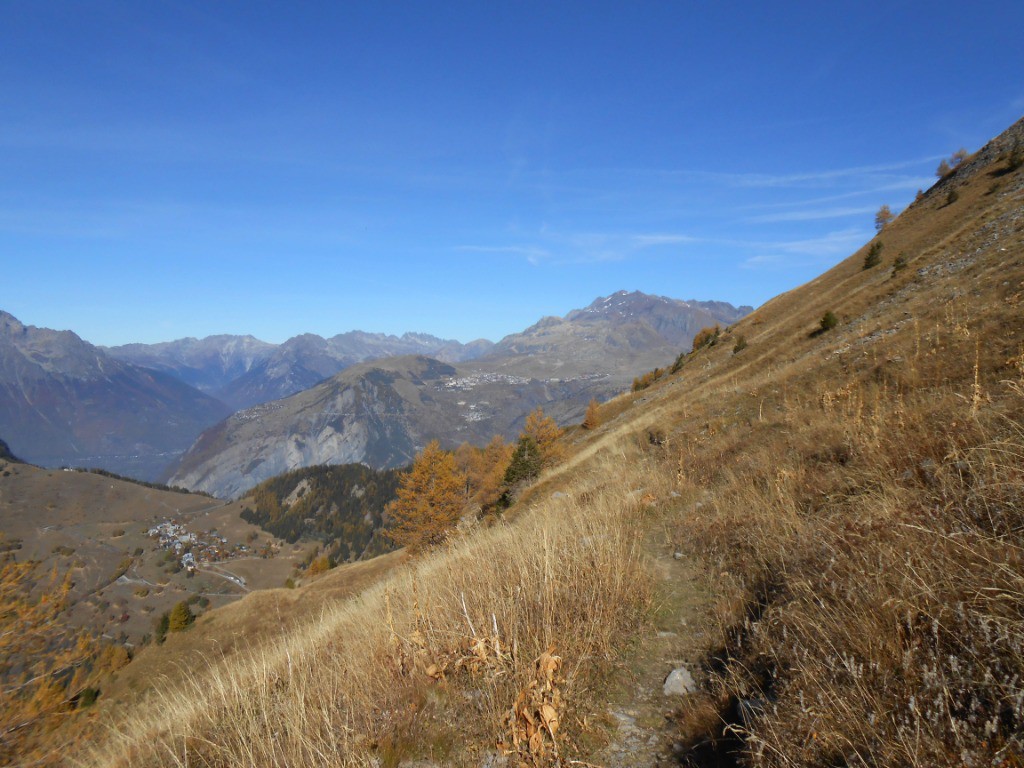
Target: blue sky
(462, 169)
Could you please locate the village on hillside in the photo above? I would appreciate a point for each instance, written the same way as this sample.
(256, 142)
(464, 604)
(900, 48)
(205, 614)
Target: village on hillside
(203, 548)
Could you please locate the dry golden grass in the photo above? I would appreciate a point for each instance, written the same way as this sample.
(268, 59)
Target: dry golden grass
(433, 657)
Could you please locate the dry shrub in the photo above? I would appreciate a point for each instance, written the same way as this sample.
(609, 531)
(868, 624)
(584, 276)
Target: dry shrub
(876, 613)
(432, 663)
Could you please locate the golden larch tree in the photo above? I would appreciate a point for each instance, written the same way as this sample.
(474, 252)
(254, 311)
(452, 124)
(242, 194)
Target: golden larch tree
(546, 434)
(592, 419)
(429, 501)
(44, 663)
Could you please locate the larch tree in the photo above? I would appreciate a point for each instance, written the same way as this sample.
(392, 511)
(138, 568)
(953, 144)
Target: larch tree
(429, 500)
(485, 471)
(546, 434)
(883, 217)
(44, 663)
(592, 419)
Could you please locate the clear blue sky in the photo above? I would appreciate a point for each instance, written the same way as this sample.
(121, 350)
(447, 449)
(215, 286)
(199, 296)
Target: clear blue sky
(183, 169)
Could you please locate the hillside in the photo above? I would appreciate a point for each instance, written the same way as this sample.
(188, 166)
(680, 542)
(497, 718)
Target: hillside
(342, 506)
(382, 413)
(65, 402)
(98, 528)
(821, 526)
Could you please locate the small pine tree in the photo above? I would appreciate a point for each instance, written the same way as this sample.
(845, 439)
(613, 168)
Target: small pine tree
(592, 419)
(874, 255)
(525, 464)
(952, 196)
(828, 321)
(161, 627)
(181, 617)
(899, 264)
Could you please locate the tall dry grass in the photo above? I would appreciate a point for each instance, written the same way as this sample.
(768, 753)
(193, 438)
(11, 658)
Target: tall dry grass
(872, 577)
(429, 663)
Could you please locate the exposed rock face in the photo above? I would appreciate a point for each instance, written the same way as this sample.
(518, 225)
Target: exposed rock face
(64, 401)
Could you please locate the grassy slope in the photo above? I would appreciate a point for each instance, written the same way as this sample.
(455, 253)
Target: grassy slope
(854, 498)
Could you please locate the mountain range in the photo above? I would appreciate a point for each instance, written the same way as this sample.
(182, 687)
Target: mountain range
(243, 371)
(382, 413)
(134, 409)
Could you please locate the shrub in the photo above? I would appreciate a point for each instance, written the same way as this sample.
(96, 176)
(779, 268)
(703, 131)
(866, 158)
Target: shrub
(1016, 157)
(874, 255)
(740, 345)
(592, 419)
(180, 618)
(641, 383)
(899, 264)
(952, 196)
(706, 337)
(828, 321)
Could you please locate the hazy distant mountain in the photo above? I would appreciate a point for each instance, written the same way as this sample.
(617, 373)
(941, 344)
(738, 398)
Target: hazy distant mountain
(382, 413)
(305, 360)
(621, 333)
(64, 401)
(207, 364)
(243, 371)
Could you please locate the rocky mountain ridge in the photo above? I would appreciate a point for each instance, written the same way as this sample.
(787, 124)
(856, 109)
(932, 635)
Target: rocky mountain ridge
(64, 401)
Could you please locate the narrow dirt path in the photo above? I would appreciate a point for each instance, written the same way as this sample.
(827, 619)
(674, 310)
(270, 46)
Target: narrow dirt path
(644, 717)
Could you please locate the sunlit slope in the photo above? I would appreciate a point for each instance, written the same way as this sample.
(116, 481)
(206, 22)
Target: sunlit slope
(853, 495)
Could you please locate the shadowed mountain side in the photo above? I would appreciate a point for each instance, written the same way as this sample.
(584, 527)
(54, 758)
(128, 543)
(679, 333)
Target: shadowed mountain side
(64, 401)
(208, 364)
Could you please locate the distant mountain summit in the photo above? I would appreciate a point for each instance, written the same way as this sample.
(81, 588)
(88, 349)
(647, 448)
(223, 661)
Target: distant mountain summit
(64, 401)
(208, 364)
(620, 333)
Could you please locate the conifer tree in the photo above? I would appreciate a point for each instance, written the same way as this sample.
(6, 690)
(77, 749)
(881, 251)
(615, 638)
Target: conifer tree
(181, 617)
(592, 419)
(546, 434)
(43, 662)
(883, 217)
(430, 500)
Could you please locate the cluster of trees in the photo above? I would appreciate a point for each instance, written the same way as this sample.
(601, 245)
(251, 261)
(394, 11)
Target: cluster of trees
(45, 664)
(946, 167)
(443, 486)
(342, 505)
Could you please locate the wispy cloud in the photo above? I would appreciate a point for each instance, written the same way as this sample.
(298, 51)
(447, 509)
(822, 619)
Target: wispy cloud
(584, 247)
(802, 252)
(811, 214)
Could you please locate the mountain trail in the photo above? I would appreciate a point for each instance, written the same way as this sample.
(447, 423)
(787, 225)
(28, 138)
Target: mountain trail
(643, 716)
